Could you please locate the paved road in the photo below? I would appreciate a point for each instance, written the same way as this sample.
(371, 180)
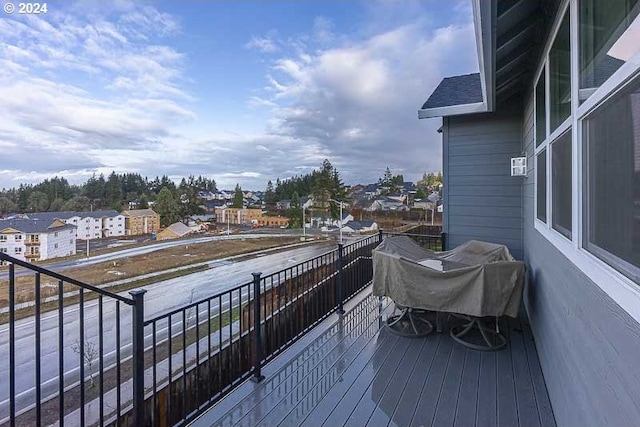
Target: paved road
(161, 297)
(57, 266)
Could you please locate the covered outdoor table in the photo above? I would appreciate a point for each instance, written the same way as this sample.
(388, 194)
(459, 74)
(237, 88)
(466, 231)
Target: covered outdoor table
(476, 279)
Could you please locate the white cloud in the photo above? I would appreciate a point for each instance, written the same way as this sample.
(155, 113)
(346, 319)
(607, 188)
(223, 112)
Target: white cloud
(356, 103)
(263, 44)
(97, 89)
(79, 85)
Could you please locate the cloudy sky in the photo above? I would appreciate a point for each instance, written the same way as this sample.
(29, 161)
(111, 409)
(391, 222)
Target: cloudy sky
(240, 91)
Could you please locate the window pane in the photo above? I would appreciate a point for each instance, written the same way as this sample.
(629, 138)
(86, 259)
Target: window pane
(541, 119)
(560, 75)
(561, 184)
(612, 162)
(541, 179)
(609, 34)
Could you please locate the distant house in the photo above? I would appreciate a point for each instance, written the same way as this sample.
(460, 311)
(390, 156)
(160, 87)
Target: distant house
(306, 202)
(174, 231)
(360, 227)
(211, 205)
(90, 224)
(386, 204)
(206, 195)
(346, 218)
(37, 240)
(141, 221)
(283, 204)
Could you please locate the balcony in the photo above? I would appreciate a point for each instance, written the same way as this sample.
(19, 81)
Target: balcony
(350, 370)
(317, 366)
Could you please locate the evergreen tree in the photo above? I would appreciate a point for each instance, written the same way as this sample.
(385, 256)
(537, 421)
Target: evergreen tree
(38, 202)
(167, 207)
(238, 197)
(295, 211)
(143, 203)
(270, 196)
(56, 205)
(113, 192)
(7, 205)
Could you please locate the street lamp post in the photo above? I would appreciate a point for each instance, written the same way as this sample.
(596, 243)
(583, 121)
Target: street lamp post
(340, 203)
(304, 225)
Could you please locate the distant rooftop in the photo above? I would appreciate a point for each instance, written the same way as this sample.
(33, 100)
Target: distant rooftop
(32, 225)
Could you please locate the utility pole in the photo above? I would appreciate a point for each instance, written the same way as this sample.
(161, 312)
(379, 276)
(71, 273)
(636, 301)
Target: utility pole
(304, 225)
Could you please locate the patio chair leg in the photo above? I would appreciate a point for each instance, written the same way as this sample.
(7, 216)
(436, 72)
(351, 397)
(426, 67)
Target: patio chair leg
(460, 334)
(405, 324)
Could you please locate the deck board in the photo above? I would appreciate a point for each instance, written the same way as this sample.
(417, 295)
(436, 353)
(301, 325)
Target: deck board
(386, 405)
(354, 374)
(377, 386)
(487, 406)
(507, 408)
(466, 408)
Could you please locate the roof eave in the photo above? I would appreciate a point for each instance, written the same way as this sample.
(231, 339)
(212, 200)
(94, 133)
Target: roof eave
(452, 110)
(484, 13)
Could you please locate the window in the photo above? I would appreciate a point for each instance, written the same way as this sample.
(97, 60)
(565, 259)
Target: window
(561, 193)
(55, 246)
(608, 38)
(560, 75)
(611, 138)
(18, 237)
(3, 238)
(55, 234)
(3, 250)
(541, 180)
(554, 157)
(17, 250)
(541, 111)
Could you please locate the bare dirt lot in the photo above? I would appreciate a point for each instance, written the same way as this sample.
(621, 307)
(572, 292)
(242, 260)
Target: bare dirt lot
(134, 266)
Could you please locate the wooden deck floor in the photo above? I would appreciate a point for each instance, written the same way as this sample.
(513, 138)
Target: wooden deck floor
(351, 372)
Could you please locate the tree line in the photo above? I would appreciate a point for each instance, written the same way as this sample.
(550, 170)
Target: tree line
(324, 185)
(98, 192)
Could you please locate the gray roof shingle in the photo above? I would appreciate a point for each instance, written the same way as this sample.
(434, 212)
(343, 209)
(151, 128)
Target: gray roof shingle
(457, 90)
(32, 225)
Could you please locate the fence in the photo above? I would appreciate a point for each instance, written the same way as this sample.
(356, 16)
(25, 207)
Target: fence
(74, 358)
(166, 370)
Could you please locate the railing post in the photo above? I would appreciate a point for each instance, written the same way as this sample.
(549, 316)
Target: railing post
(380, 233)
(339, 282)
(257, 330)
(137, 321)
(443, 238)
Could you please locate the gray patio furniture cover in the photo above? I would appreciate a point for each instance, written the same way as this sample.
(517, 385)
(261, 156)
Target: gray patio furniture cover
(476, 278)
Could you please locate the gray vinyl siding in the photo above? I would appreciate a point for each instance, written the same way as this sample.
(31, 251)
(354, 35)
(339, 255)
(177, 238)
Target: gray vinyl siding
(588, 345)
(482, 200)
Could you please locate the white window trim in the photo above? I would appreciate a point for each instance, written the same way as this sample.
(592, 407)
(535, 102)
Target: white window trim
(619, 287)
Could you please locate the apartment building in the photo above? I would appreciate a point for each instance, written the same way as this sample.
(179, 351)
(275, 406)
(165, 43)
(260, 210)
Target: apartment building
(90, 225)
(141, 221)
(37, 240)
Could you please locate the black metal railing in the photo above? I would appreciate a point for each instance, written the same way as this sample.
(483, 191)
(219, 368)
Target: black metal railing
(168, 369)
(435, 242)
(200, 352)
(72, 350)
